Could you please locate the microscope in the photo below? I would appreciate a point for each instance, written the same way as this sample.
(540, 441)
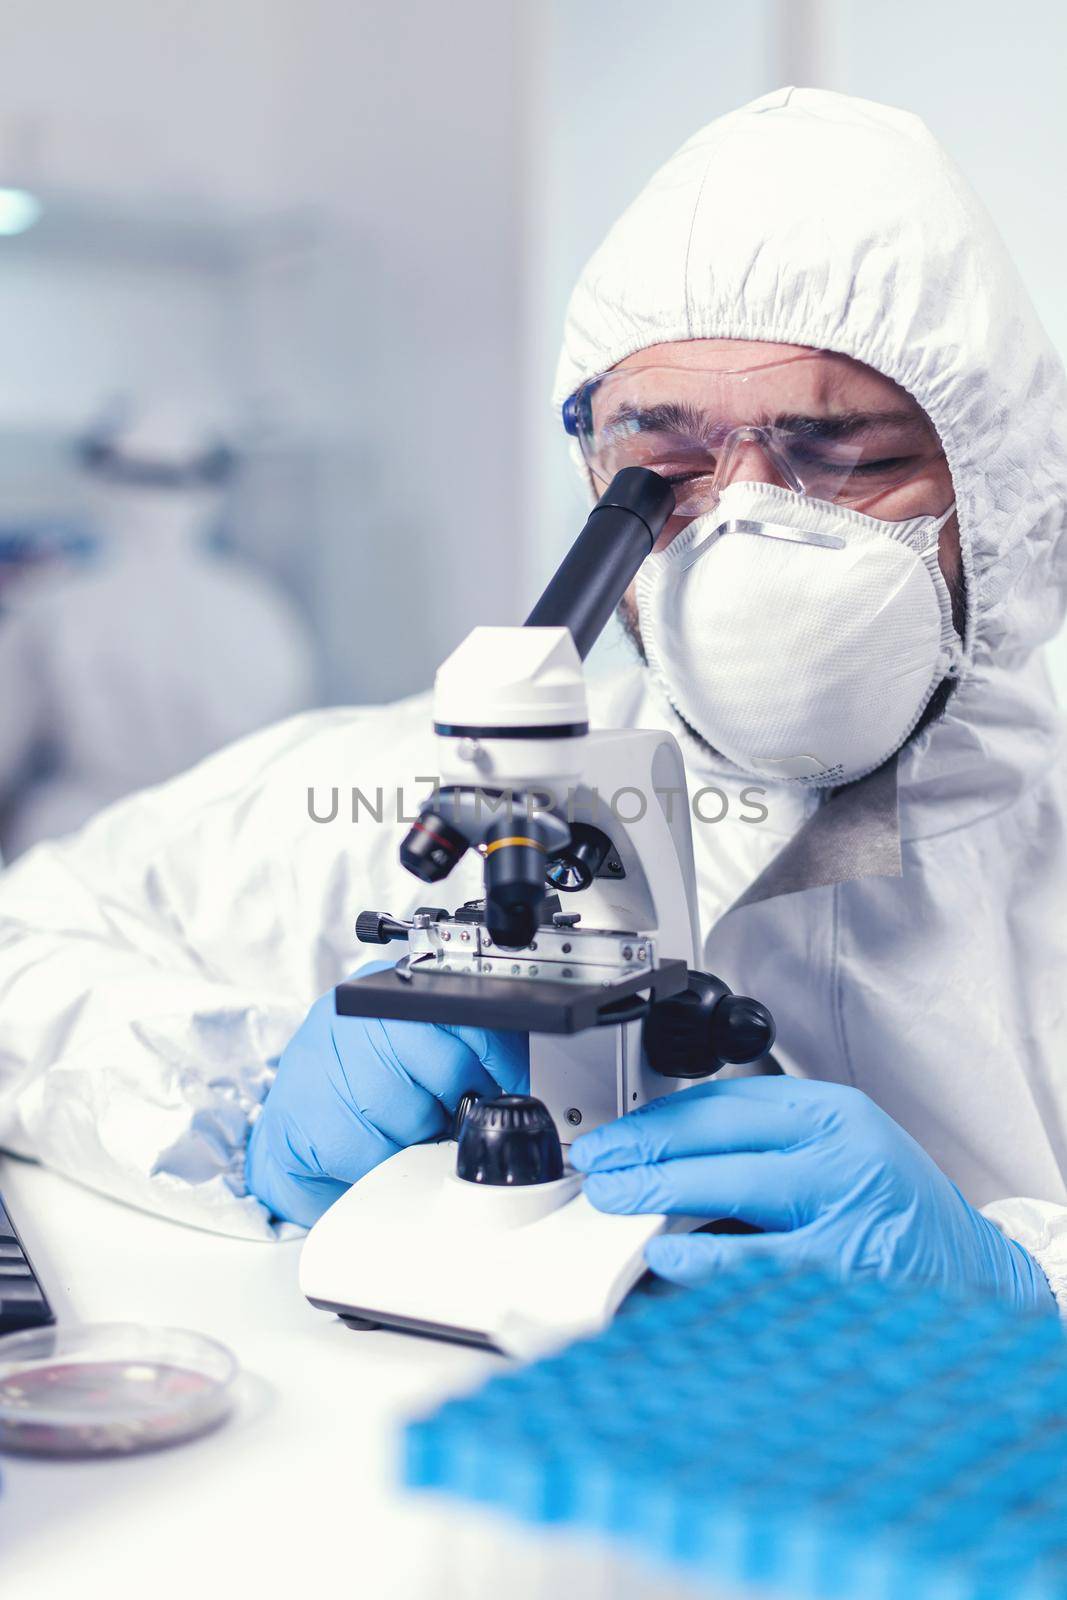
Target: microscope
(586, 938)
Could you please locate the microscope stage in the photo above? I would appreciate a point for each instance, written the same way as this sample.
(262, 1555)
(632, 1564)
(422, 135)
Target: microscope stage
(531, 1005)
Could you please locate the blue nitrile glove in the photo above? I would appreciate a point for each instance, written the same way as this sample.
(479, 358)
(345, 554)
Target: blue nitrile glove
(352, 1090)
(834, 1181)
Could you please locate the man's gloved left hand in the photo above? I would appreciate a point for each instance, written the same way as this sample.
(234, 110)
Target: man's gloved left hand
(351, 1091)
(833, 1180)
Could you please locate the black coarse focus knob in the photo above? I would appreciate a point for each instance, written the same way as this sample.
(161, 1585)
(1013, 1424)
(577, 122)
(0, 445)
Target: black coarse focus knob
(742, 1029)
(509, 1141)
(693, 1034)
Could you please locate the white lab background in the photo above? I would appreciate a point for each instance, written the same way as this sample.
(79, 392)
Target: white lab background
(351, 226)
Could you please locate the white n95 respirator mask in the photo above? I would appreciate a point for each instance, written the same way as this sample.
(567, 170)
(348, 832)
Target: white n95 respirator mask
(801, 639)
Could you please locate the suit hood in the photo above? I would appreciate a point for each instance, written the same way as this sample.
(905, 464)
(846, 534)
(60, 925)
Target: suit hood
(813, 218)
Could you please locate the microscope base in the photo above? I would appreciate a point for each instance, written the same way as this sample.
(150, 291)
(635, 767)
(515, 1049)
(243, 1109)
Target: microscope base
(519, 1270)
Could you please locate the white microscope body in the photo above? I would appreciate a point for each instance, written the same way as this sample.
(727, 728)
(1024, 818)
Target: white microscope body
(488, 1237)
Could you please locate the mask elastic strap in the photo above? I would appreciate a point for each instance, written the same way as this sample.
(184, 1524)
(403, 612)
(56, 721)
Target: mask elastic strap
(933, 531)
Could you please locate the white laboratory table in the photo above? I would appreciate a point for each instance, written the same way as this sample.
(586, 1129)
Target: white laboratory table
(295, 1496)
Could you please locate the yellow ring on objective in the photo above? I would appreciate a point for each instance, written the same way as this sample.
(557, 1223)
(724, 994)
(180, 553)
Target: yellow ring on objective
(516, 839)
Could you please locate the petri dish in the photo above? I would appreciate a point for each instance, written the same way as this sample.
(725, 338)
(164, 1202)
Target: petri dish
(110, 1389)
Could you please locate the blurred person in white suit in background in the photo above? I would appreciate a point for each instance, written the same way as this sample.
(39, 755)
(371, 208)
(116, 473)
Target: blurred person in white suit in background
(162, 651)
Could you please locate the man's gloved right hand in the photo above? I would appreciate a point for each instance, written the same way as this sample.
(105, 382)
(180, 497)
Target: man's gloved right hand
(352, 1090)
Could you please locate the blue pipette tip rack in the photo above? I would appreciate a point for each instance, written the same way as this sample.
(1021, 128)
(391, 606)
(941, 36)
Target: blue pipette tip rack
(787, 1433)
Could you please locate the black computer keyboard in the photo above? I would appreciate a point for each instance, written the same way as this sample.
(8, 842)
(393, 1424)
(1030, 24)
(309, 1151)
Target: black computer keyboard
(22, 1300)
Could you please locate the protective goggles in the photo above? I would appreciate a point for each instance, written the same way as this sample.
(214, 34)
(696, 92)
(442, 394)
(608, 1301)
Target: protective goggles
(787, 418)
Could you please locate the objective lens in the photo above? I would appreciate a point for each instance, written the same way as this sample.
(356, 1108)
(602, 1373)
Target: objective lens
(431, 848)
(577, 865)
(514, 882)
(567, 875)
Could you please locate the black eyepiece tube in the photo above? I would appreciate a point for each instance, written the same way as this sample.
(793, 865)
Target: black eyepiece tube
(601, 563)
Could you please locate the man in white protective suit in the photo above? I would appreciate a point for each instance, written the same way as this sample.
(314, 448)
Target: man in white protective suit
(158, 652)
(808, 323)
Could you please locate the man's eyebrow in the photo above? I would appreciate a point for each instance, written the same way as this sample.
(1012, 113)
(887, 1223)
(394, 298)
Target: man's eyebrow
(681, 417)
(670, 414)
(848, 423)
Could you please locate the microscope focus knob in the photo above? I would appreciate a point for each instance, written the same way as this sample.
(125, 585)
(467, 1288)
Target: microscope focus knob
(743, 1029)
(459, 1116)
(511, 1140)
(378, 927)
(693, 1034)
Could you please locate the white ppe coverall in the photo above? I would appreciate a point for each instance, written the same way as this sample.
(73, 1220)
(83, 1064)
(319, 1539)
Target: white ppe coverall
(152, 969)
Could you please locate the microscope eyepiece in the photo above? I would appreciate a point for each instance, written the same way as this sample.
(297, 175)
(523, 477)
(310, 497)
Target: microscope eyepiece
(597, 570)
